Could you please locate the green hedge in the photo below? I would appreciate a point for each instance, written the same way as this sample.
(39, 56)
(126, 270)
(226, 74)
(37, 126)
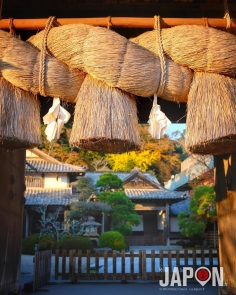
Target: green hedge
(113, 240)
(75, 242)
(47, 243)
(29, 243)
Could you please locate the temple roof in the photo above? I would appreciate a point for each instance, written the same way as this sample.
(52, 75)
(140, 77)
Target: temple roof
(43, 166)
(154, 194)
(38, 161)
(42, 196)
(124, 176)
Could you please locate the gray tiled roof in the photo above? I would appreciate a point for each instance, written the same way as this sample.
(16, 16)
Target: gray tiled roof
(180, 207)
(49, 196)
(64, 196)
(44, 166)
(122, 175)
(154, 194)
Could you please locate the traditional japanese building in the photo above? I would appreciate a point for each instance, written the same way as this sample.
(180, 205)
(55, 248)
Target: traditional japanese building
(49, 181)
(47, 184)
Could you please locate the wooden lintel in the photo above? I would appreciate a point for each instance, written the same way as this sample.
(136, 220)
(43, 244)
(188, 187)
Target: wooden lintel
(117, 22)
(139, 207)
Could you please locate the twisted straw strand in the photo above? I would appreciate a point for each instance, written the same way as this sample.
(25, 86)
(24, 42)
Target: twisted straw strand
(161, 56)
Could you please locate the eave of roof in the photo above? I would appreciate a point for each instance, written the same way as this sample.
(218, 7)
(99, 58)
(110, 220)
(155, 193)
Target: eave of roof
(158, 194)
(43, 166)
(42, 196)
(46, 163)
(37, 196)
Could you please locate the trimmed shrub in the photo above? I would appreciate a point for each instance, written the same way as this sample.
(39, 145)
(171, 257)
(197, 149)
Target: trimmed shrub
(123, 229)
(29, 243)
(47, 243)
(113, 240)
(75, 242)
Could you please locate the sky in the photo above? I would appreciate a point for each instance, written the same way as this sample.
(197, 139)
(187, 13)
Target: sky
(174, 127)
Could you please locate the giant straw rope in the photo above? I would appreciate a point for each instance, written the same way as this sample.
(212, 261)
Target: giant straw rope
(159, 61)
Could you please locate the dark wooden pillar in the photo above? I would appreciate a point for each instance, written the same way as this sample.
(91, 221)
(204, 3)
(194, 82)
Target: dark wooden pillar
(167, 229)
(225, 187)
(12, 187)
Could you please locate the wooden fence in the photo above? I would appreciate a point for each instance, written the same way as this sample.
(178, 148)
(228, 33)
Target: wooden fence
(42, 268)
(128, 266)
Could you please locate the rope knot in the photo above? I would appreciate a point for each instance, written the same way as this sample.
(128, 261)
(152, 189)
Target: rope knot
(51, 22)
(227, 16)
(160, 53)
(109, 23)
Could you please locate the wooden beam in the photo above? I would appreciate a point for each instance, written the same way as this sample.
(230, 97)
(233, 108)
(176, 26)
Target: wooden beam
(149, 208)
(117, 22)
(225, 188)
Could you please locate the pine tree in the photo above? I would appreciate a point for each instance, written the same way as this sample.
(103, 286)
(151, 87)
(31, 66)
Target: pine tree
(123, 212)
(202, 210)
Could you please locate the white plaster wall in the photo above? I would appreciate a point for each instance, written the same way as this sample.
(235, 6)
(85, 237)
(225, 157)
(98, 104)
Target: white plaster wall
(174, 224)
(29, 154)
(140, 226)
(197, 160)
(191, 168)
(52, 181)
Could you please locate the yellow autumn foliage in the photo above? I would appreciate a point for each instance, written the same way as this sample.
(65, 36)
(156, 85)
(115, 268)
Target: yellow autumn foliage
(129, 160)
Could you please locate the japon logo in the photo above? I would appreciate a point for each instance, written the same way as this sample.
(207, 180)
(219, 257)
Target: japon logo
(202, 275)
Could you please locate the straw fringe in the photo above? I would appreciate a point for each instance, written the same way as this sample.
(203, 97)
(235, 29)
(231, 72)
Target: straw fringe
(211, 124)
(197, 47)
(19, 64)
(113, 59)
(19, 117)
(105, 119)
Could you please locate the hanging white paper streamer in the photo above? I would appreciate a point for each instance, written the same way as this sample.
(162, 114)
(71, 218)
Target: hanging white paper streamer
(158, 122)
(56, 117)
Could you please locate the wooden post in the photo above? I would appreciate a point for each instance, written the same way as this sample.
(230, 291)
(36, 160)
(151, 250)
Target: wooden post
(56, 264)
(144, 266)
(26, 222)
(12, 187)
(88, 265)
(177, 258)
(153, 264)
(167, 228)
(42, 268)
(123, 266)
(162, 270)
(79, 265)
(194, 260)
(96, 264)
(105, 264)
(132, 264)
(140, 259)
(225, 187)
(72, 265)
(114, 264)
(63, 271)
